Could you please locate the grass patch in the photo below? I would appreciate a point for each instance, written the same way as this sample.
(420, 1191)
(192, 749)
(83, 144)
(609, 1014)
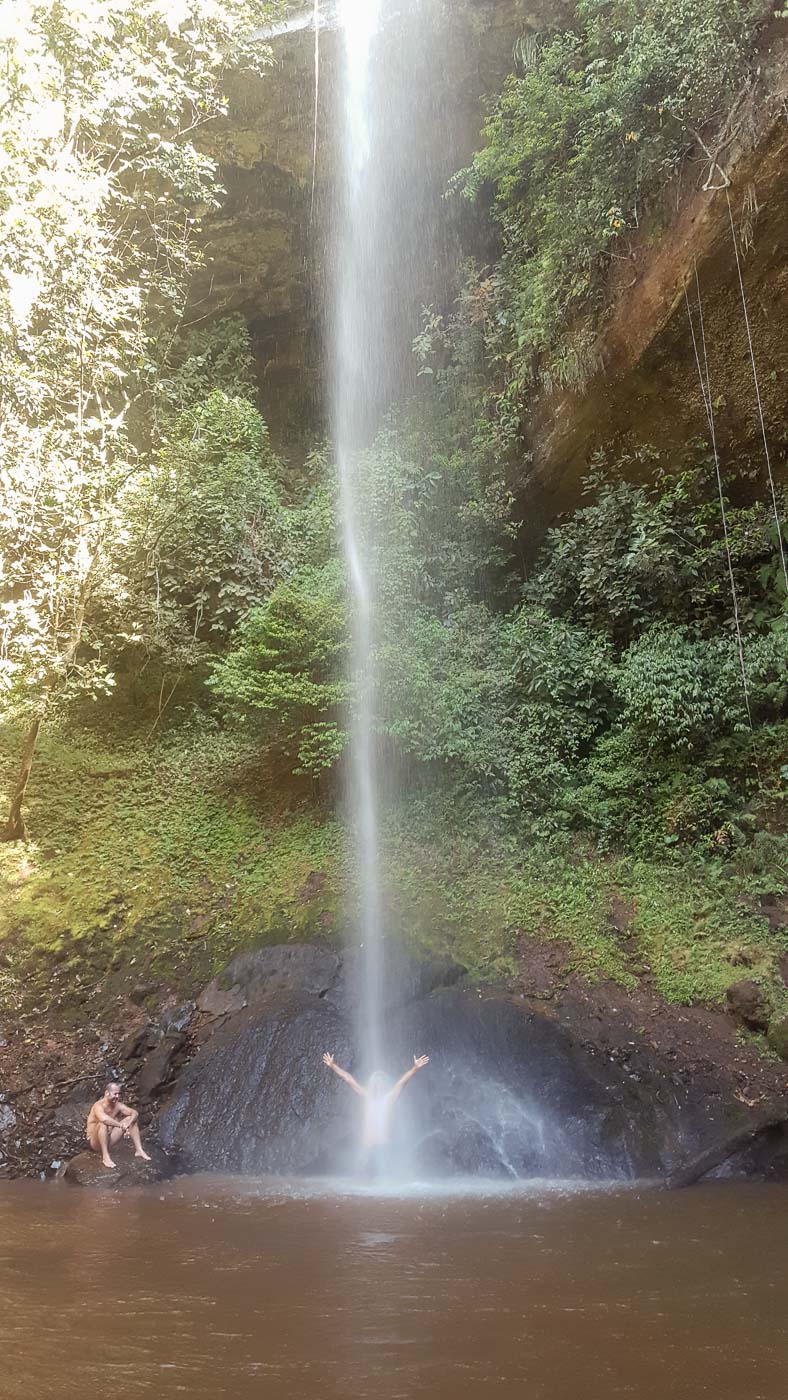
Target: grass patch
(159, 864)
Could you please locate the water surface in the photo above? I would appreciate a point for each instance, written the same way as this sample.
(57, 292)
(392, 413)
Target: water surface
(213, 1288)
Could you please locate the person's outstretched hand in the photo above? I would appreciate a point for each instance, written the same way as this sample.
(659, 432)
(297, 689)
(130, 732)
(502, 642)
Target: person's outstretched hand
(419, 1061)
(328, 1060)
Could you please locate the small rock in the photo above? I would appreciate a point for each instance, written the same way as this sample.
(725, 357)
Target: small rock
(778, 1037)
(746, 1000)
(73, 1115)
(136, 1044)
(142, 991)
(7, 1118)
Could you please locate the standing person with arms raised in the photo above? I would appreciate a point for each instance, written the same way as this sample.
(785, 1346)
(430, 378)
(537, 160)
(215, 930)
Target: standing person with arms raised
(379, 1100)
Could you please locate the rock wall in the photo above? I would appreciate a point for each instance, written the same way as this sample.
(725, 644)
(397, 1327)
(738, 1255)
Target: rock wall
(268, 250)
(648, 389)
(510, 1091)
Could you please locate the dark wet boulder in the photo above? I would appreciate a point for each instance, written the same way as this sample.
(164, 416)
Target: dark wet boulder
(467, 1151)
(507, 1092)
(136, 1044)
(758, 1147)
(510, 1088)
(256, 1097)
(87, 1169)
(746, 1001)
(73, 1114)
(407, 980)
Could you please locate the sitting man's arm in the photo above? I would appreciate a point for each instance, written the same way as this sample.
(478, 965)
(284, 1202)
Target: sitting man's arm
(343, 1074)
(419, 1061)
(128, 1116)
(105, 1118)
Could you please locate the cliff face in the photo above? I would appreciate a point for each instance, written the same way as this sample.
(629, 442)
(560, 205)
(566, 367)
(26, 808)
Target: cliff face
(268, 249)
(648, 389)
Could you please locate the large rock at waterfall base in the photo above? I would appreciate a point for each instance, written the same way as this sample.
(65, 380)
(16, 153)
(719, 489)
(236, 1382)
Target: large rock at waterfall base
(508, 1092)
(87, 1169)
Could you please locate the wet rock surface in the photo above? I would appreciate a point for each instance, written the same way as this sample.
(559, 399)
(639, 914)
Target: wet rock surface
(256, 976)
(509, 1092)
(87, 1169)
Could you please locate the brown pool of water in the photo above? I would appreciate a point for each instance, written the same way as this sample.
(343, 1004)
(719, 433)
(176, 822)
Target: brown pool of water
(212, 1288)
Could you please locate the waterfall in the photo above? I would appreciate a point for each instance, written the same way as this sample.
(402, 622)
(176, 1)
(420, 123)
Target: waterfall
(358, 334)
(389, 228)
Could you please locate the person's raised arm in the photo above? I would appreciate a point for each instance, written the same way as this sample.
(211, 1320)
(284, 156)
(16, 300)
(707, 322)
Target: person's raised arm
(419, 1061)
(343, 1074)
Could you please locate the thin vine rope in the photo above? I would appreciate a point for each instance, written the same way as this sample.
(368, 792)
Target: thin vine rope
(705, 386)
(756, 381)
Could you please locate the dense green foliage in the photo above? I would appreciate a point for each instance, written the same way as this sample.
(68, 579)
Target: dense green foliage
(609, 700)
(155, 864)
(287, 671)
(583, 138)
(102, 192)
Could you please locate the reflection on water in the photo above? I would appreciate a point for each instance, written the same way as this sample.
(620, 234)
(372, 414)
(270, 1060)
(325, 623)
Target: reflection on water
(213, 1288)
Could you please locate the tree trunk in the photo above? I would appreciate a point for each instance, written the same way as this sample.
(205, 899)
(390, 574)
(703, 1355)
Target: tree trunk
(15, 829)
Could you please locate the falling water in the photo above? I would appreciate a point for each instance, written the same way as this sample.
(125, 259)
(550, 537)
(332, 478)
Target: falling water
(388, 239)
(395, 145)
(358, 335)
(384, 238)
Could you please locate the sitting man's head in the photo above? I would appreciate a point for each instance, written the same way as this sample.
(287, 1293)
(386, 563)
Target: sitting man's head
(112, 1093)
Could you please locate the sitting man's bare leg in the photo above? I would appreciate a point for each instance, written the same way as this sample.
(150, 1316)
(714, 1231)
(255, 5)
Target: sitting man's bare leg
(100, 1140)
(134, 1133)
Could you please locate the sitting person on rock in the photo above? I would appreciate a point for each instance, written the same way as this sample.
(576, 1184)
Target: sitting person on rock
(378, 1100)
(110, 1120)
